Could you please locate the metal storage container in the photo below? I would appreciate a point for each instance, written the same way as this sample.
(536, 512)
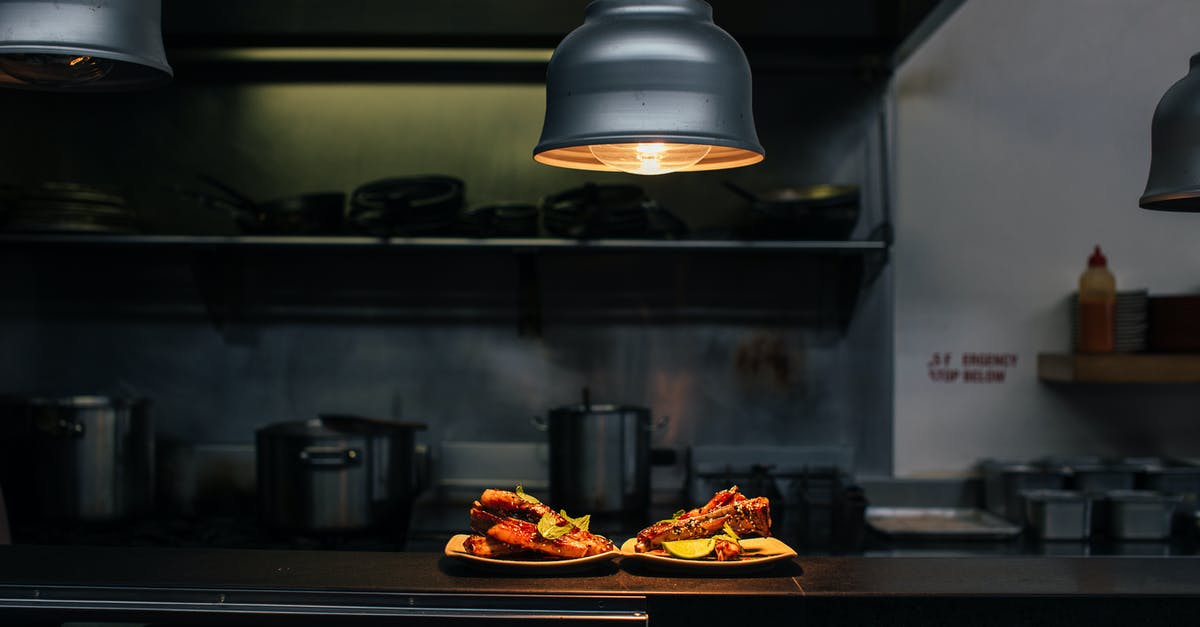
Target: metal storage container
(1140, 514)
(1057, 514)
(1183, 480)
(1003, 482)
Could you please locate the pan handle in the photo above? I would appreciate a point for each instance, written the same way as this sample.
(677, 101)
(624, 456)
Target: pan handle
(238, 197)
(63, 428)
(741, 191)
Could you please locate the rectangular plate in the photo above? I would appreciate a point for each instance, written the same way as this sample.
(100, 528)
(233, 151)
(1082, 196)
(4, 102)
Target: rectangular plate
(756, 553)
(940, 523)
(547, 566)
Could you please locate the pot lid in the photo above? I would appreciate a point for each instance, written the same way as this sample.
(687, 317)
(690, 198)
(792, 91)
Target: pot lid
(597, 408)
(87, 401)
(335, 425)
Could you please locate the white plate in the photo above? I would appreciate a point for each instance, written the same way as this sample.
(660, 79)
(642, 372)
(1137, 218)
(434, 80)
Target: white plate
(756, 553)
(454, 549)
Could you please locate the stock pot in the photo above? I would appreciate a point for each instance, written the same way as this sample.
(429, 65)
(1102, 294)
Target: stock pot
(77, 458)
(336, 474)
(600, 457)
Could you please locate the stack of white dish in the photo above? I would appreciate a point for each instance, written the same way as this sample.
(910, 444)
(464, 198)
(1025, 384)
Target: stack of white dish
(1131, 321)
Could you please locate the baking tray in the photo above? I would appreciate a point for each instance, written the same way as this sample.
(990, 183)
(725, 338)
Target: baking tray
(939, 523)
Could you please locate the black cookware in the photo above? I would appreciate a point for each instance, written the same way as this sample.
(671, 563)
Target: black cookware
(594, 210)
(510, 219)
(407, 206)
(317, 213)
(805, 212)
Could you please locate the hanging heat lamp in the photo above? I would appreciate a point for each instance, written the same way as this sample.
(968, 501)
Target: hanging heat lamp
(82, 45)
(648, 87)
(1174, 182)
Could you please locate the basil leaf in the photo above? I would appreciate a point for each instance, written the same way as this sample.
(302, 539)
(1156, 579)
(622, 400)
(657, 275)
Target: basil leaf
(580, 523)
(525, 497)
(549, 528)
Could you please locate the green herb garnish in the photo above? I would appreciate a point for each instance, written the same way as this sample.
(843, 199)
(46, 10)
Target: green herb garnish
(673, 517)
(525, 497)
(549, 528)
(580, 523)
(729, 535)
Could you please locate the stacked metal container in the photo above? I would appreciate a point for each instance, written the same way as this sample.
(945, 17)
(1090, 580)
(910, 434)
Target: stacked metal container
(1076, 498)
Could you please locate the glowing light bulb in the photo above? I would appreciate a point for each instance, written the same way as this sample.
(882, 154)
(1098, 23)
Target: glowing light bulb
(55, 70)
(650, 158)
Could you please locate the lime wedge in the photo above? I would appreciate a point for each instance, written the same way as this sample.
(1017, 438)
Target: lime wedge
(690, 549)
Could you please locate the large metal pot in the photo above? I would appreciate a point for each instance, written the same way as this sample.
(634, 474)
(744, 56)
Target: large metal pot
(338, 474)
(79, 458)
(599, 458)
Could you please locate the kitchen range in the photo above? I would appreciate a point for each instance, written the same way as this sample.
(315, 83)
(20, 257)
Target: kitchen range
(639, 311)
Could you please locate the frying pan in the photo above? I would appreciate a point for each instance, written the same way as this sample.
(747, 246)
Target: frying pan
(823, 211)
(317, 213)
(407, 205)
(606, 210)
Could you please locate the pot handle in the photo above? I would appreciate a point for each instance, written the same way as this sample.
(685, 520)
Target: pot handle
(539, 423)
(63, 428)
(330, 456)
(659, 424)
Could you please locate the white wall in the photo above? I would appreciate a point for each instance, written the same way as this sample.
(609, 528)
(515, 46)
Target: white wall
(1023, 138)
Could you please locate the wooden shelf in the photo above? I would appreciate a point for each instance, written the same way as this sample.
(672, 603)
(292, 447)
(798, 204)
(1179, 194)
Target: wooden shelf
(1119, 368)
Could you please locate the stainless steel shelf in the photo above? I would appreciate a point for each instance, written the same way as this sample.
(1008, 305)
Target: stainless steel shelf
(538, 243)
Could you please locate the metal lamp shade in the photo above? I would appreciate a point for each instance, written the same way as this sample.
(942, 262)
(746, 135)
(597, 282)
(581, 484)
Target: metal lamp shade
(1174, 183)
(82, 45)
(649, 72)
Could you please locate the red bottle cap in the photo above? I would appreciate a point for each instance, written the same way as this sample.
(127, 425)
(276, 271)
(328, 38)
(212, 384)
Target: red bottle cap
(1097, 258)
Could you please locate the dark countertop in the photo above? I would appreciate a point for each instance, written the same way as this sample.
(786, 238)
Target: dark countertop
(204, 585)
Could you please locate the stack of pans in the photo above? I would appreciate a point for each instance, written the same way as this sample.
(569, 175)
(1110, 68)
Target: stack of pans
(407, 206)
(617, 211)
(69, 207)
(507, 219)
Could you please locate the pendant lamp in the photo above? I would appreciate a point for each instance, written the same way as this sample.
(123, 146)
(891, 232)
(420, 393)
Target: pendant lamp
(82, 45)
(648, 87)
(1174, 182)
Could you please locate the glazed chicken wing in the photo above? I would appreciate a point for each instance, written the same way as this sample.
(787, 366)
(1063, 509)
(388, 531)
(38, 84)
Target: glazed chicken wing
(744, 515)
(506, 518)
